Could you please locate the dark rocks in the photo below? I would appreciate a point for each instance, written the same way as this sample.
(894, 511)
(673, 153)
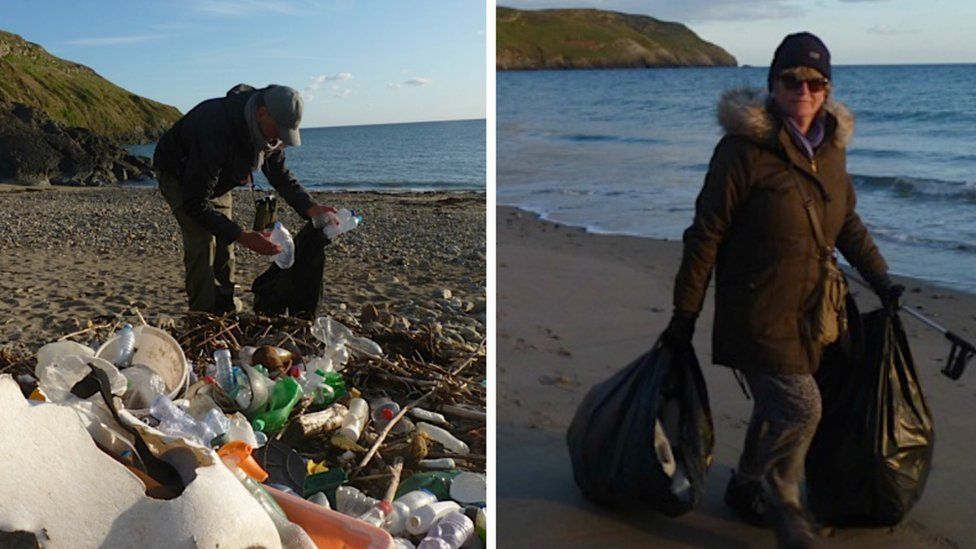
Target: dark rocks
(36, 150)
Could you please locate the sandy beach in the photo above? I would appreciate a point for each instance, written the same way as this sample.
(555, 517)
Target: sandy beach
(574, 307)
(75, 255)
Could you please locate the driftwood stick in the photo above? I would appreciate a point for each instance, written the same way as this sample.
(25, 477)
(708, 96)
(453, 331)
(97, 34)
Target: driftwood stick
(403, 411)
(396, 469)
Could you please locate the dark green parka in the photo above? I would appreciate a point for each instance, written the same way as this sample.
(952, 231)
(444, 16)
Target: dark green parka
(751, 227)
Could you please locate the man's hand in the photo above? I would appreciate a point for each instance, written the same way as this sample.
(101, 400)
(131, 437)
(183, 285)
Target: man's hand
(319, 210)
(258, 242)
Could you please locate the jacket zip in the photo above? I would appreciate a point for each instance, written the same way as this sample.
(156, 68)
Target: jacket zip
(813, 165)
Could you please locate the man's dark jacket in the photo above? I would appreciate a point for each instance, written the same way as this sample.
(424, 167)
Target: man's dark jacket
(211, 151)
(751, 226)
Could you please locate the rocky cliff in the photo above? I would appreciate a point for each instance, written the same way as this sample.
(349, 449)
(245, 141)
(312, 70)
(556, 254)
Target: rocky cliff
(37, 150)
(589, 39)
(77, 96)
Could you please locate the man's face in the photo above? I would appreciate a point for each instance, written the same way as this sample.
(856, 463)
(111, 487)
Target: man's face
(269, 128)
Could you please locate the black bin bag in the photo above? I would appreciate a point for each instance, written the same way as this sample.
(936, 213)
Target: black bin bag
(644, 437)
(296, 290)
(872, 452)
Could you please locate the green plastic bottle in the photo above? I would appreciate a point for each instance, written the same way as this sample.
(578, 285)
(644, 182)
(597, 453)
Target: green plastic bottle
(286, 393)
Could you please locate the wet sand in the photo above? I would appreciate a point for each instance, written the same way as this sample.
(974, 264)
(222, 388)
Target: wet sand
(574, 307)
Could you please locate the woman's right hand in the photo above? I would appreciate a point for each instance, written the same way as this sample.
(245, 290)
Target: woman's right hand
(258, 242)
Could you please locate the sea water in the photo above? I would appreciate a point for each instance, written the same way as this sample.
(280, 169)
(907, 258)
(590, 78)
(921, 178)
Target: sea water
(626, 151)
(423, 156)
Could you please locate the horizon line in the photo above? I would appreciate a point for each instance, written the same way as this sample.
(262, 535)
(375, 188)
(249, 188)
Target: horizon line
(396, 123)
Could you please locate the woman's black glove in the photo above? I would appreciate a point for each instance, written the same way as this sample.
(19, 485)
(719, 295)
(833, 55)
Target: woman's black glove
(889, 293)
(891, 297)
(679, 331)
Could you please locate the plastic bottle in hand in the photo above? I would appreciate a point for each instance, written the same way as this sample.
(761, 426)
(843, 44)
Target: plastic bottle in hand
(450, 532)
(345, 220)
(126, 347)
(280, 236)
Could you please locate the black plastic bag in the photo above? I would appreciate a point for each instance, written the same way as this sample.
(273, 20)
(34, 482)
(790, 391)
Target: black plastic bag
(660, 397)
(295, 291)
(871, 455)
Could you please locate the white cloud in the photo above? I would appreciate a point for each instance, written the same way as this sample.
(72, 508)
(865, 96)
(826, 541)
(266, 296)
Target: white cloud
(415, 82)
(885, 30)
(316, 82)
(115, 40)
(242, 8)
(342, 93)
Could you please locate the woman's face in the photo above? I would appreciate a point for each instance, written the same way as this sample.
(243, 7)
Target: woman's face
(794, 96)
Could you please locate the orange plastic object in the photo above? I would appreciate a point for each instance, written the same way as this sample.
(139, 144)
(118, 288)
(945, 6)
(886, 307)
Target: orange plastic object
(37, 395)
(330, 529)
(240, 453)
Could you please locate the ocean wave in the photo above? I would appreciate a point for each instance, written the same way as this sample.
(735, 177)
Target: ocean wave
(923, 241)
(912, 187)
(599, 138)
(900, 115)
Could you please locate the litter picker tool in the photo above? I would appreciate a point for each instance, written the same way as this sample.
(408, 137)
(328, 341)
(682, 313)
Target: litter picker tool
(960, 352)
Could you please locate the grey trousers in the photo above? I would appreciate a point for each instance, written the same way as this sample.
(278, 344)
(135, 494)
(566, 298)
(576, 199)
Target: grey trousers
(209, 264)
(784, 419)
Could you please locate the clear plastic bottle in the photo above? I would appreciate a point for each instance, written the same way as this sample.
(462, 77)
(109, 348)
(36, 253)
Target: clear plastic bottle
(378, 515)
(350, 501)
(219, 425)
(261, 387)
(343, 221)
(242, 389)
(280, 236)
(174, 421)
(403, 543)
(223, 370)
(446, 439)
(450, 532)
(355, 420)
(126, 347)
(319, 498)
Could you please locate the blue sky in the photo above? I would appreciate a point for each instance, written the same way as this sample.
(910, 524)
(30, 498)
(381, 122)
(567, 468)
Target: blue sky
(357, 62)
(856, 31)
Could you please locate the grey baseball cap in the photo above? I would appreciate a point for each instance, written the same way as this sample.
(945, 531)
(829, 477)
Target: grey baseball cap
(285, 107)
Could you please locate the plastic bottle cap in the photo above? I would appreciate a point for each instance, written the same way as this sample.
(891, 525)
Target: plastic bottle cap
(387, 413)
(240, 452)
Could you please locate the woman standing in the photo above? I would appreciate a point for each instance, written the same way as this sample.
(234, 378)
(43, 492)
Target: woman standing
(781, 153)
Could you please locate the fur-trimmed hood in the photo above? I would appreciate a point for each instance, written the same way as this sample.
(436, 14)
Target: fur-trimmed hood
(744, 112)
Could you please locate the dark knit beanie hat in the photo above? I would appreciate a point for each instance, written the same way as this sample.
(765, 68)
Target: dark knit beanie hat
(800, 50)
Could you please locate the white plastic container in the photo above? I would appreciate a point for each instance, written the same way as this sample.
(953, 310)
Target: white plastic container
(446, 439)
(424, 518)
(404, 506)
(469, 488)
(449, 533)
(162, 354)
(441, 463)
(355, 420)
(280, 236)
(428, 416)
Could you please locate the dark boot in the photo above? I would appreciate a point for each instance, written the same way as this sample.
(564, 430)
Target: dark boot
(748, 500)
(792, 528)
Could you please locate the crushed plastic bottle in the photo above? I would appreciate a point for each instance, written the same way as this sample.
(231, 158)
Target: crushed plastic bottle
(125, 348)
(355, 420)
(450, 532)
(280, 236)
(352, 502)
(428, 416)
(384, 410)
(175, 422)
(261, 387)
(242, 389)
(446, 439)
(143, 386)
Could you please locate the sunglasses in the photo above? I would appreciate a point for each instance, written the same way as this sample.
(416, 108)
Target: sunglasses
(793, 83)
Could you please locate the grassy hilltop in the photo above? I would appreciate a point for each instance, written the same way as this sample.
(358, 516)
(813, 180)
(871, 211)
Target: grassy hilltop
(587, 38)
(75, 95)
